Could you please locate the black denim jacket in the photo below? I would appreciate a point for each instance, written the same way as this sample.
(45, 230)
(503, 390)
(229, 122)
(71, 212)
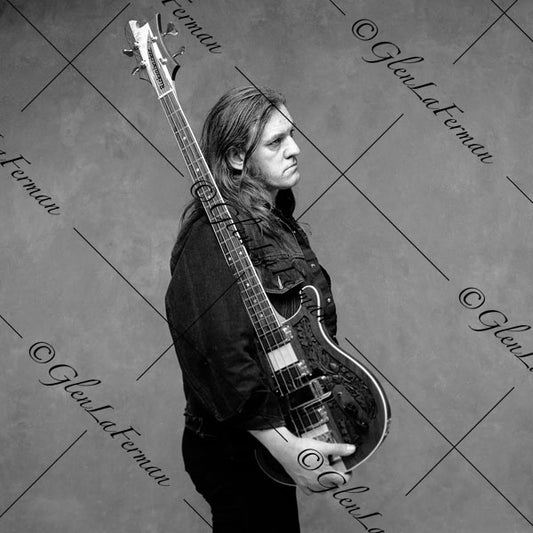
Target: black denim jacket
(223, 380)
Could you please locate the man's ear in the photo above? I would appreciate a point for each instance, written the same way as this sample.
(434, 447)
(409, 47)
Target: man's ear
(235, 158)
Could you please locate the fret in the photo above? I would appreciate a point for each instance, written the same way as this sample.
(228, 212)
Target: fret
(253, 285)
(254, 301)
(198, 161)
(263, 314)
(248, 272)
(165, 94)
(177, 112)
(198, 165)
(198, 175)
(181, 127)
(190, 144)
(183, 133)
(264, 322)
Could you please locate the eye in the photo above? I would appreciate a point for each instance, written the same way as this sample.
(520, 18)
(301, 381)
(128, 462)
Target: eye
(275, 142)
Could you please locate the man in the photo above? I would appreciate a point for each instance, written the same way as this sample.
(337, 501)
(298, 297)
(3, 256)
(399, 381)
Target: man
(248, 143)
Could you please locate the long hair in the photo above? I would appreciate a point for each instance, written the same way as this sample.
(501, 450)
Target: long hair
(237, 121)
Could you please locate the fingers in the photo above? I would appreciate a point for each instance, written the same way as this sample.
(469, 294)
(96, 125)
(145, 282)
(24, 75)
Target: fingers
(332, 479)
(339, 449)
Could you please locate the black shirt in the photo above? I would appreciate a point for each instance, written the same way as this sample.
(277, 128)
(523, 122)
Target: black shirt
(223, 379)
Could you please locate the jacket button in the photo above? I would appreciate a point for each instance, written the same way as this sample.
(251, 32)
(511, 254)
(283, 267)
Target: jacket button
(328, 299)
(313, 265)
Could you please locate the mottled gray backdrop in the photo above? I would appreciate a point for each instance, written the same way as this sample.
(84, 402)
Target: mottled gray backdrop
(417, 218)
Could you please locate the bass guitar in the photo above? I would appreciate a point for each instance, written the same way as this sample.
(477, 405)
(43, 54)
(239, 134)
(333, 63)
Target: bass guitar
(326, 393)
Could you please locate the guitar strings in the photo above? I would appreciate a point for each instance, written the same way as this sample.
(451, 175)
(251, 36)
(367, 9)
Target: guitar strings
(194, 162)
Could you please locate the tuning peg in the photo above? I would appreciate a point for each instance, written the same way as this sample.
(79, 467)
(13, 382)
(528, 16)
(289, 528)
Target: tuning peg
(127, 52)
(180, 52)
(171, 29)
(140, 67)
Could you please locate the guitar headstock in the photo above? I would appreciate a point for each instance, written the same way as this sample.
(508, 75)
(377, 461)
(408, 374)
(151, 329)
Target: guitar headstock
(153, 58)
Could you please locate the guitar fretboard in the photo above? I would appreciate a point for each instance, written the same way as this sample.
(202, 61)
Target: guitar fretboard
(256, 302)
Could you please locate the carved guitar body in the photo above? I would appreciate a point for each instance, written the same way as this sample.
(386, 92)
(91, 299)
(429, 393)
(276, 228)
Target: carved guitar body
(339, 400)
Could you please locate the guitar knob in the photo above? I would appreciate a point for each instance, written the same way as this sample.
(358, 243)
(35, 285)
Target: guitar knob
(171, 29)
(127, 52)
(136, 70)
(180, 52)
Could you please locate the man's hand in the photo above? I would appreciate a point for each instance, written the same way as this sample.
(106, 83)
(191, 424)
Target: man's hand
(306, 460)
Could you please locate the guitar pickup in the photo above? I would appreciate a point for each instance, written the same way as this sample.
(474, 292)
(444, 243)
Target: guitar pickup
(312, 392)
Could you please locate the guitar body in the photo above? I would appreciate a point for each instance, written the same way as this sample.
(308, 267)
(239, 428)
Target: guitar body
(356, 408)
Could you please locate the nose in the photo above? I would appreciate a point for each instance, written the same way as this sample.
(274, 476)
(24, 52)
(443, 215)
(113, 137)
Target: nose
(292, 148)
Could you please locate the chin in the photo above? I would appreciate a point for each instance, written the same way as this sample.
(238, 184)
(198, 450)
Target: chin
(289, 182)
(295, 178)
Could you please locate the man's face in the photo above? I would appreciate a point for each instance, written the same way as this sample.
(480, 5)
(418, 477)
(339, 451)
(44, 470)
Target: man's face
(274, 159)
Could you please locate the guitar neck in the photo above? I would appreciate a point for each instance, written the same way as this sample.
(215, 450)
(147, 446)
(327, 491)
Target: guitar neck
(256, 302)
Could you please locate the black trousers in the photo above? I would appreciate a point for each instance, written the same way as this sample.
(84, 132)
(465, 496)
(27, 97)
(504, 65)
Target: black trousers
(242, 497)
